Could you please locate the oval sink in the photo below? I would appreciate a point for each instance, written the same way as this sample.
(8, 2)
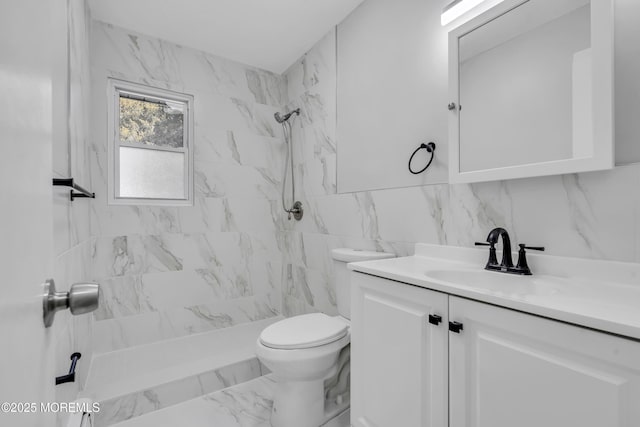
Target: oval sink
(496, 281)
(599, 295)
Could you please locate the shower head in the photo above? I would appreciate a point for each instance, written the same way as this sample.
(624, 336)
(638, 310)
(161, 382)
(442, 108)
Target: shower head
(282, 119)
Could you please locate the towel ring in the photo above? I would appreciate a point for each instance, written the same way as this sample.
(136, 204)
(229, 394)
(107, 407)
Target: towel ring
(431, 148)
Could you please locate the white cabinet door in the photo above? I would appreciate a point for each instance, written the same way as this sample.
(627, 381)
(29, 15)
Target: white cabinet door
(512, 369)
(399, 368)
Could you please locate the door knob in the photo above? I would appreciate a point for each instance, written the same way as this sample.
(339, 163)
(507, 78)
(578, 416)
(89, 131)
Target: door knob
(82, 298)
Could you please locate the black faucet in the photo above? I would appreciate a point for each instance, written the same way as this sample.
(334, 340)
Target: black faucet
(506, 265)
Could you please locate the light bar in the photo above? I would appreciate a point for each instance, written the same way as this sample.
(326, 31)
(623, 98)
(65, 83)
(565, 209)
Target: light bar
(456, 9)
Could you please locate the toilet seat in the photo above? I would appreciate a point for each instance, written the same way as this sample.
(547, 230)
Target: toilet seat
(304, 331)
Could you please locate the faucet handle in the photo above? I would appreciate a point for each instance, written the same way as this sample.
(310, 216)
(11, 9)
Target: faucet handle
(523, 267)
(493, 260)
(534, 248)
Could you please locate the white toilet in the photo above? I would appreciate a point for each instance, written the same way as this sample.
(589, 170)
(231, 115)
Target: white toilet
(302, 351)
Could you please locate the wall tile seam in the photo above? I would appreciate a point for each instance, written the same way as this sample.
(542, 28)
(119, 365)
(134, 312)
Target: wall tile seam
(67, 251)
(359, 236)
(94, 23)
(169, 311)
(273, 263)
(177, 87)
(179, 233)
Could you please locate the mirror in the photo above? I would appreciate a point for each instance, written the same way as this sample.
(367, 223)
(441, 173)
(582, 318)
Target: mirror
(531, 84)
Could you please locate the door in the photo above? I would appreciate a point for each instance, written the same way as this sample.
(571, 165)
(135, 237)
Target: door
(399, 369)
(513, 369)
(26, 368)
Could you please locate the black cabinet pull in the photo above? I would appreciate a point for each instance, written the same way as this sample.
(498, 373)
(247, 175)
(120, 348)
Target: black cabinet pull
(455, 327)
(434, 319)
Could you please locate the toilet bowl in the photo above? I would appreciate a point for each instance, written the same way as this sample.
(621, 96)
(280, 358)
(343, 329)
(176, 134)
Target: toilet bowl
(303, 351)
(300, 371)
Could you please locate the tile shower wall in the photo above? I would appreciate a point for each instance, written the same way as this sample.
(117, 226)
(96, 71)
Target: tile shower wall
(590, 215)
(172, 271)
(71, 231)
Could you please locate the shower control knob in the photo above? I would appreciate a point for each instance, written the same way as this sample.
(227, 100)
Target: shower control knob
(296, 210)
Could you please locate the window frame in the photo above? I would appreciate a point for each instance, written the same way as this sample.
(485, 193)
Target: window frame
(115, 89)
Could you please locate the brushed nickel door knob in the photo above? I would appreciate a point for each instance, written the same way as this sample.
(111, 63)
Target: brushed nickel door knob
(82, 298)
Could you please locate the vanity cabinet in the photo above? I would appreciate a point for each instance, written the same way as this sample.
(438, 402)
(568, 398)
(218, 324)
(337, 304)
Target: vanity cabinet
(503, 369)
(399, 369)
(508, 368)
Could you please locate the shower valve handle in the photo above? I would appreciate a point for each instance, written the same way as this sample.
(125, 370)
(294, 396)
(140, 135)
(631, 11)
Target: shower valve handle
(296, 210)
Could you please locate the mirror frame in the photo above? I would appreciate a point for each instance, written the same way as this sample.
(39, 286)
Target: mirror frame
(602, 49)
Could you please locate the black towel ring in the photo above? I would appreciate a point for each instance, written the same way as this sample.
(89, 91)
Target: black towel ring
(431, 148)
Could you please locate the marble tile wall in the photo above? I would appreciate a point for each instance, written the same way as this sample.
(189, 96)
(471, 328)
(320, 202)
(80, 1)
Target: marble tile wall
(71, 229)
(172, 271)
(589, 215)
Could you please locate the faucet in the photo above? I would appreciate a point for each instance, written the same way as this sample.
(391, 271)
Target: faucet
(506, 265)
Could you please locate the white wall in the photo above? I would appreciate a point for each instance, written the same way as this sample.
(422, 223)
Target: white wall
(392, 94)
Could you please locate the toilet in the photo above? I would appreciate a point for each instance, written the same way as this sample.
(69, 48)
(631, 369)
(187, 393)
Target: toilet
(304, 351)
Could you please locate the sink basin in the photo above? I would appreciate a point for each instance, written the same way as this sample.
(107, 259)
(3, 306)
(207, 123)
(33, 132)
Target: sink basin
(499, 282)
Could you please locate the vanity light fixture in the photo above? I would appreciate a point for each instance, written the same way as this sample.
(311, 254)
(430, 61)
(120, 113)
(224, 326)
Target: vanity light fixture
(458, 8)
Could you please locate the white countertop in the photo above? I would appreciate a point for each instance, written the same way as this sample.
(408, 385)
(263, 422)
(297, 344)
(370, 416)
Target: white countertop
(603, 295)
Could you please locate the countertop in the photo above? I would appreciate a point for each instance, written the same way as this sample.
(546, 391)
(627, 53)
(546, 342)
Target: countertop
(602, 295)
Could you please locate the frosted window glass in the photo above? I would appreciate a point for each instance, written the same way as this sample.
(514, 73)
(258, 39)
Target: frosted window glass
(151, 174)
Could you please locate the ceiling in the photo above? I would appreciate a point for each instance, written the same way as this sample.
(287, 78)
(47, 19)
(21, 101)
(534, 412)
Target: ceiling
(269, 34)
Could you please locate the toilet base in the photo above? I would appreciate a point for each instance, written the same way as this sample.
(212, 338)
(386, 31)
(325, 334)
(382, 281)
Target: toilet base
(298, 404)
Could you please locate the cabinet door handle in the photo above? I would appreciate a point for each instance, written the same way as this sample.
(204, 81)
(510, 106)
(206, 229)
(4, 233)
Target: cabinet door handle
(434, 319)
(455, 327)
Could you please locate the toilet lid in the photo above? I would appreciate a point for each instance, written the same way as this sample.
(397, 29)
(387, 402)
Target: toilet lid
(305, 331)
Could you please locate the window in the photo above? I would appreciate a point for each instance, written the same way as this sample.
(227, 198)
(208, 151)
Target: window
(150, 145)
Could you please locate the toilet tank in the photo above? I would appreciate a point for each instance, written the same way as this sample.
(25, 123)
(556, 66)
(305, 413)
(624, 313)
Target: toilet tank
(341, 257)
